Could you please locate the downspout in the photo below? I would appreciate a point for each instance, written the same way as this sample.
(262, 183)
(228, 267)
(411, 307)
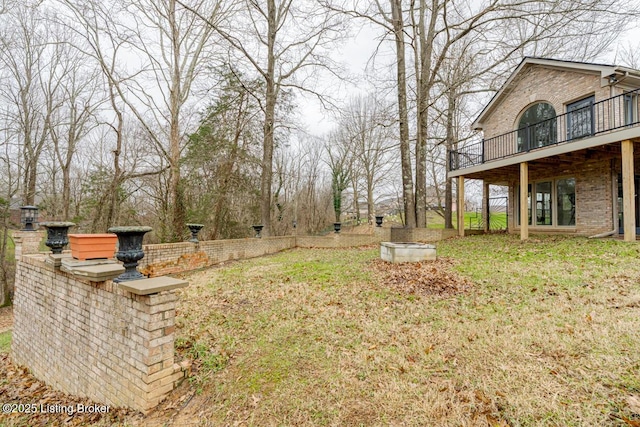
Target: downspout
(614, 192)
(605, 234)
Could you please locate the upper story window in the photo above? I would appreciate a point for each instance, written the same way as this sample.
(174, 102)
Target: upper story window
(580, 120)
(537, 127)
(630, 108)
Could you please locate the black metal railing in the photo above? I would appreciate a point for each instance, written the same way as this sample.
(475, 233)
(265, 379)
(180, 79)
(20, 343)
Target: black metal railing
(600, 117)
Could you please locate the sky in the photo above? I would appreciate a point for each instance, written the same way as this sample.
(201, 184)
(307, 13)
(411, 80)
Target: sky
(356, 55)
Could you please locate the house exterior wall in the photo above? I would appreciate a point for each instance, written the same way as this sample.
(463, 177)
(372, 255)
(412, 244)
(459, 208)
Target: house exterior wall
(594, 196)
(537, 83)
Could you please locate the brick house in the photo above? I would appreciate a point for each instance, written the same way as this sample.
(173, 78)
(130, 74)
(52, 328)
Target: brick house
(566, 132)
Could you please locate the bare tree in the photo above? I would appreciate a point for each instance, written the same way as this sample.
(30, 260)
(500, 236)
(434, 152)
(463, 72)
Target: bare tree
(32, 86)
(499, 31)
(367, 122)
(340, 161)
(284, 42)
(629, 55)
(170, 45)
(313, 206)
(73, 121)
(9, 186)
(397, 26)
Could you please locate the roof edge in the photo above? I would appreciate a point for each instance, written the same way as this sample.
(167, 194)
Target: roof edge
(605, 70)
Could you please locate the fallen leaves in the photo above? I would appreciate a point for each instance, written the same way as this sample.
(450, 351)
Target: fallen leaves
(18, 386)
(423, 278)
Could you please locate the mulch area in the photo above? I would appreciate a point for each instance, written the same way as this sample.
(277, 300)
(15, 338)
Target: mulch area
(434, 278)
(6, 319)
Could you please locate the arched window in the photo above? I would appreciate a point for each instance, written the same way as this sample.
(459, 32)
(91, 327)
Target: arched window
(537, 127)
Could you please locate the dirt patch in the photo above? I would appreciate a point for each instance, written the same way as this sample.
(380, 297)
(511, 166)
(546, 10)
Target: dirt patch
(6, 319)
(423, 278)
(18, 387)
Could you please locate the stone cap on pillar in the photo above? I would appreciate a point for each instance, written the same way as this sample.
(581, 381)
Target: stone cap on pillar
(153, 285)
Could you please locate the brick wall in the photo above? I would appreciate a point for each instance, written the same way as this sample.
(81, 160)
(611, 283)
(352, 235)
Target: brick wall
(94, 339)
(594, 198)
(100, 341)
(421, 234)
(169, 258)
(345, 240)
(536, 83)
(27, 242)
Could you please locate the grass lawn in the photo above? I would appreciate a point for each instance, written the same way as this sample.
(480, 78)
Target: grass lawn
(548, 335)
(5, 342)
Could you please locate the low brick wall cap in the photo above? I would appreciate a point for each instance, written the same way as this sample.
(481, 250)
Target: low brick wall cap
(94, 273)
(153, 285)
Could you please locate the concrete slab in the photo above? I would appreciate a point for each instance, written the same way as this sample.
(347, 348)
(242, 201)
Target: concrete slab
(407, 252)
(153, 285)
(71, 262)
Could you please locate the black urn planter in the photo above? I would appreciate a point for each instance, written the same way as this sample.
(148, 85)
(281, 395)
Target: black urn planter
(258, 230)
(379, 219)
(57, 235)
(337, 226)
(194, 229)
(130, 250)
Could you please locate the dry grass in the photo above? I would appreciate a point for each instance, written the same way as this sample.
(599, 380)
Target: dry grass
(547, 335)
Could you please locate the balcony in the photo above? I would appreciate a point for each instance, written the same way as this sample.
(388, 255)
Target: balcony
(569, 131)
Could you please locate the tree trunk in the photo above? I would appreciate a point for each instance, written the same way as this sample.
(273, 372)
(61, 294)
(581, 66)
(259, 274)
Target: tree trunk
(4, 277)
(31, 179)
(269, 120)
(405, 149)
(448, 202)
(370, 203)
(450, 141)
(113, 203)
(176, 195)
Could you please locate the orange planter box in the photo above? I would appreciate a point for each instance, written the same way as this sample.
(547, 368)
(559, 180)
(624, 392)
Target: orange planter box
(92, 246)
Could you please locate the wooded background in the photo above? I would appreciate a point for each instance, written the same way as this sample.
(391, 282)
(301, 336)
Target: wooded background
(123, 112)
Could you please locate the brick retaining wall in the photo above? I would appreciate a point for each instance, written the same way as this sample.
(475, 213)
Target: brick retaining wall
(169, 258)
(421, 234)
(97, 340)
(94, 339)
(344, 240)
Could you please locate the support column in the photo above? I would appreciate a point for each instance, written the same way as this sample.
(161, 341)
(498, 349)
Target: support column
(27, 242)
(628, 192)
(486, 214)
(524, 202)
(460, 206)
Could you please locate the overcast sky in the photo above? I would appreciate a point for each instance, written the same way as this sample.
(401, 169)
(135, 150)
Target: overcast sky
(356, 55)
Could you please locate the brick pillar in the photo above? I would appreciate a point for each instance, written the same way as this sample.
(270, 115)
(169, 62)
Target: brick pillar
(156, 329)
(27, 242)
(96, 339)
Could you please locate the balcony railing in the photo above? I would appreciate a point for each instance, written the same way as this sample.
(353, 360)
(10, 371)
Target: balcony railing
(614, 113)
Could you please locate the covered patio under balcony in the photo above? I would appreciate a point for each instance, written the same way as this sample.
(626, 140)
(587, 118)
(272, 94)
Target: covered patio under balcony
(578, 169)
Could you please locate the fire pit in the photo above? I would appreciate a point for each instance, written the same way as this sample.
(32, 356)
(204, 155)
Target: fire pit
(407, 252)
